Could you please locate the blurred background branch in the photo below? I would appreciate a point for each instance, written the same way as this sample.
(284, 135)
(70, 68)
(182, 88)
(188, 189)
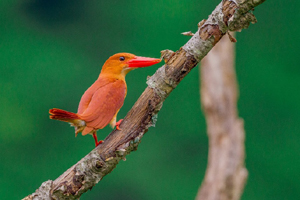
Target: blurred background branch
(225, 175)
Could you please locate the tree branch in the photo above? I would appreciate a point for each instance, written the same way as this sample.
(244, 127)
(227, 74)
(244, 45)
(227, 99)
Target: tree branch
(226, 175)
(102, 160)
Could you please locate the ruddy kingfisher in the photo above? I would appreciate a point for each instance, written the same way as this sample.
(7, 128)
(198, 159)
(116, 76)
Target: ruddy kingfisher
(101, 102)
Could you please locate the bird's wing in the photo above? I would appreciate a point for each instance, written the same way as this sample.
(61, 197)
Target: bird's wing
(88, 94)
(104, 104)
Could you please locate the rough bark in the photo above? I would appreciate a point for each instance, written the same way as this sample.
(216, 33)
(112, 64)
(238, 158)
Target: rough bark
(102, 160)
(226, 174)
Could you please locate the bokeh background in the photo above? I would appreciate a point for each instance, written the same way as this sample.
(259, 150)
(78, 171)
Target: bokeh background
(52, 51)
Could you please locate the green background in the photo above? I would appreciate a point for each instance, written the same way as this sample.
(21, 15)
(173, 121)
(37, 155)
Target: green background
(52, 51)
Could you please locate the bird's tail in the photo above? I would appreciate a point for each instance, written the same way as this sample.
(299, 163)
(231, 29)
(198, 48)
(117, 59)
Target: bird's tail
(66, 116)
(63, 115)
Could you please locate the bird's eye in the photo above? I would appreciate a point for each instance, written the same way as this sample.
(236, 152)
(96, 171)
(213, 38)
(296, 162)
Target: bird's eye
(122, 58)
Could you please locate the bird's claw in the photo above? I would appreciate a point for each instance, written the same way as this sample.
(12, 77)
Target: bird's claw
(97, 143)
(118, 125)
(96, 139)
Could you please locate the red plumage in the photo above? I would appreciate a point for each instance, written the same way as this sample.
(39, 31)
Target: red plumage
(60, 114)
(101, 103)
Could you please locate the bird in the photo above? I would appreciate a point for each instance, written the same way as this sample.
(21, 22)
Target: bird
(101, 102)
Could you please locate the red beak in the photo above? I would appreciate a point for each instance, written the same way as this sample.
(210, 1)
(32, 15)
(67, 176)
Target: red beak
(138, 61)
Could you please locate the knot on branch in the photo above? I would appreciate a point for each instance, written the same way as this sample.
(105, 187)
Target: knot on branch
(166, 54)
(214, 27)
(95, 165)
(210, 30)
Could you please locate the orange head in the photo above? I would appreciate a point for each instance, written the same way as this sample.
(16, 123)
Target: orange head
(122, 63)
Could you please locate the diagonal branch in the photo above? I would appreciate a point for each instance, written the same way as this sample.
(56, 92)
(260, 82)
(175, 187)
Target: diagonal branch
(102, 160)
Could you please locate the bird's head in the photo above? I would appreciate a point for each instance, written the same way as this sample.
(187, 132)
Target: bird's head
(122, 63)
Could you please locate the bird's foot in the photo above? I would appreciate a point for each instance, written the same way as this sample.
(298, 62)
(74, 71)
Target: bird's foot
(96, 139)
(97, 143)
(118, 125)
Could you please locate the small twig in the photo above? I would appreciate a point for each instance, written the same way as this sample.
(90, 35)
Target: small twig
(188, 33)
(231, 38)
(201, 23)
